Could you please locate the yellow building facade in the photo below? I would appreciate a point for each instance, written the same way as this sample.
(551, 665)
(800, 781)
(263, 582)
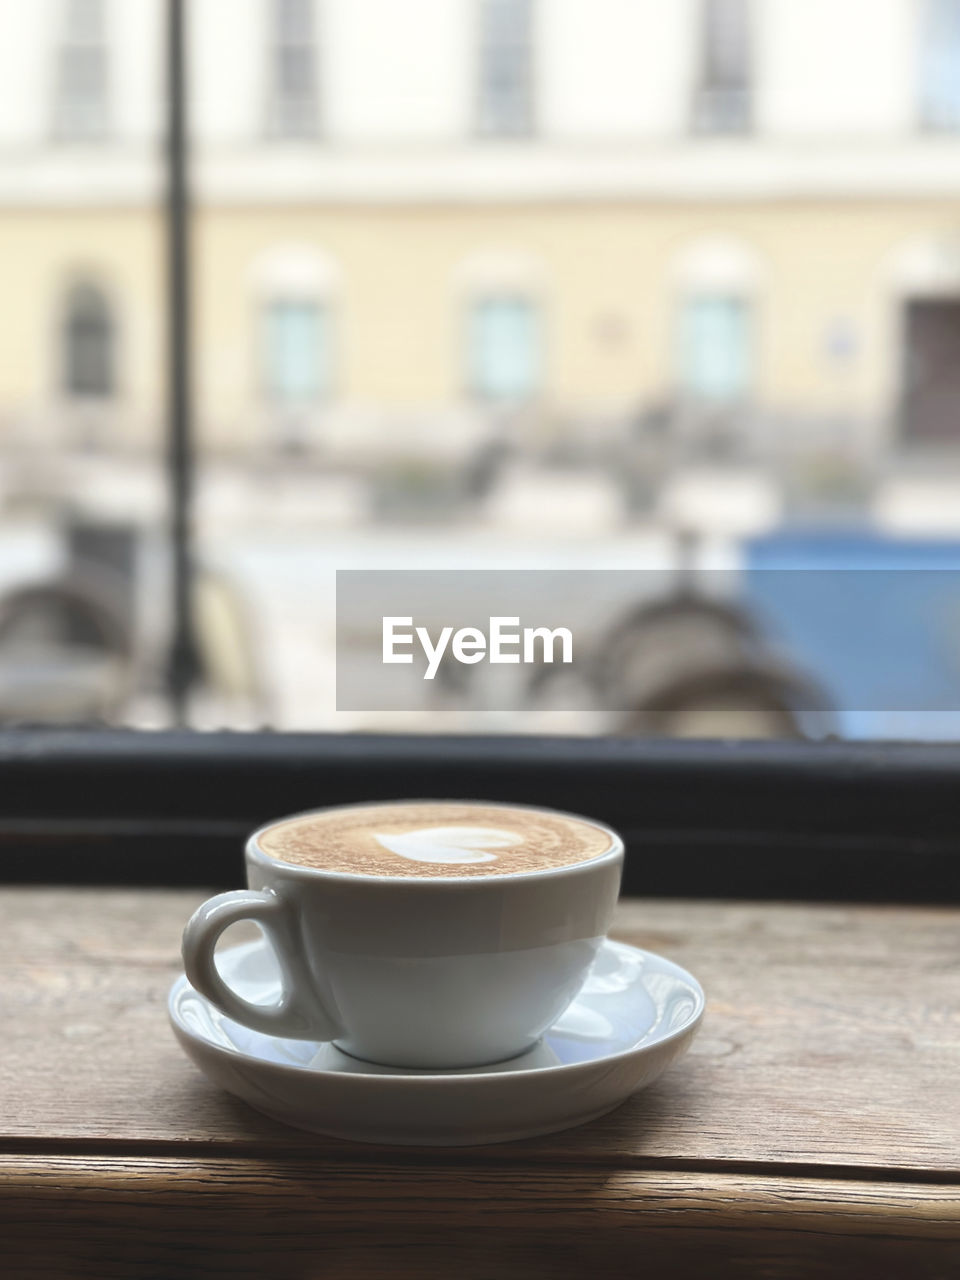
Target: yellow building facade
(607, 278)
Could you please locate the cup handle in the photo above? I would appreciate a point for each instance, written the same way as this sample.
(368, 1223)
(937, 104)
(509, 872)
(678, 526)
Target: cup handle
(297, 1014)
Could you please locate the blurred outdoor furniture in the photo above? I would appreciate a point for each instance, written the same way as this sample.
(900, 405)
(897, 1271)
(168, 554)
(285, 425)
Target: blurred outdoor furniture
(687, 666)
(65, 655)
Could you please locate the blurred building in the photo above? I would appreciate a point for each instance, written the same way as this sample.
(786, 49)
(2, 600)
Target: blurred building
(650, 237)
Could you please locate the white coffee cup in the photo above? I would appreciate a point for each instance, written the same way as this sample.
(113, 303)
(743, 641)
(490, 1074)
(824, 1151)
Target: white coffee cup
(438, 972)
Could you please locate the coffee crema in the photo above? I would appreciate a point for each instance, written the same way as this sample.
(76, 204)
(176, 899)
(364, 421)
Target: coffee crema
(436, 838)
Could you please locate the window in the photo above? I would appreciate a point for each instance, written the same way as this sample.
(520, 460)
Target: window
(297, 351)
(506, 55)
(81, 74)
(293, 103)
(940, 66)
(394, 341)
(504, 353)
(931, 371)
(715, 348)
(722, 93)
(88, 343)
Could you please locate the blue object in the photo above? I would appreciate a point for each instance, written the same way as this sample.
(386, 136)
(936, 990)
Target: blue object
(876, 620)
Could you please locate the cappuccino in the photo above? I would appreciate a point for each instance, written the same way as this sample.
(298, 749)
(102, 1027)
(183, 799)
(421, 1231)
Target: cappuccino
(434, 838)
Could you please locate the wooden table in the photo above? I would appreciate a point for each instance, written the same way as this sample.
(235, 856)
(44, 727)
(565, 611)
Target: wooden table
(814, 1127)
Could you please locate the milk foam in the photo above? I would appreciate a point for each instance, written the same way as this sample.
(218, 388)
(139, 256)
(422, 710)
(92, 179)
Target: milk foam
(449, 845)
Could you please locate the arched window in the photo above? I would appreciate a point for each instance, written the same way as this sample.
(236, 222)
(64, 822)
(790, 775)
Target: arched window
(297, 350)
(296, 288)
(717, 279)
(88, 343)
(501, 290)
(504, 348)
(715, 346)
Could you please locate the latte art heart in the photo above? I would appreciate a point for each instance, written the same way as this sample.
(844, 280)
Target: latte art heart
(434, 839)
(449, 845)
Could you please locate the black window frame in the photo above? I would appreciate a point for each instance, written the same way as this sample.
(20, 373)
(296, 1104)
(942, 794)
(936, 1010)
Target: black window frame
(829, 821)
(842, 821)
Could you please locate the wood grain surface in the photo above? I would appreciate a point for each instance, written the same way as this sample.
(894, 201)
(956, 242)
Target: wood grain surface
(815, 1122)
(292, 1217)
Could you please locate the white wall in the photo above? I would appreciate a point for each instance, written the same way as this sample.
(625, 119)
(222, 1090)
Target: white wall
(397, 71)
(614, 69)
(137, 73)
(831, 68)
(26, 108)
(228, 69)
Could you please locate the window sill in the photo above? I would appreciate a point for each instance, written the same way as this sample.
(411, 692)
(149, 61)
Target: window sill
(813, 821)
(807, 1131)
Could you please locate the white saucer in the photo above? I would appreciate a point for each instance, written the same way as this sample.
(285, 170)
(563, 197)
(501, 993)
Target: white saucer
(635, 1015)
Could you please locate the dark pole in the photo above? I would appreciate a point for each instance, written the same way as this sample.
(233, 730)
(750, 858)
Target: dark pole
(182, 661)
